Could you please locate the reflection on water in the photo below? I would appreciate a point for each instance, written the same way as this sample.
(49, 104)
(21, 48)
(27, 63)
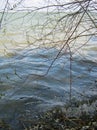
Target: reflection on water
(26, 89)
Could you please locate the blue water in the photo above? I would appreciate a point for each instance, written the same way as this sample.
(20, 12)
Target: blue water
(24, 76)
(26, 89)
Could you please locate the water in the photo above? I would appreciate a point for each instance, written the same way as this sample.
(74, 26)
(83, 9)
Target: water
(25, 87)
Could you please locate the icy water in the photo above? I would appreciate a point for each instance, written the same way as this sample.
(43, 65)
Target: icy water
(26, 88)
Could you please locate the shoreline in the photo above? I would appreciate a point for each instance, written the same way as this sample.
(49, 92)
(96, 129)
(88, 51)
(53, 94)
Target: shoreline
(70, 117)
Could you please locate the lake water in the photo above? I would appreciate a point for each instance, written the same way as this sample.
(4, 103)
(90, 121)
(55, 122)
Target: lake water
(26, 88)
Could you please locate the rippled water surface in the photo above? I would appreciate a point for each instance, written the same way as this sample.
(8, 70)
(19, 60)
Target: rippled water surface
(27, 89)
